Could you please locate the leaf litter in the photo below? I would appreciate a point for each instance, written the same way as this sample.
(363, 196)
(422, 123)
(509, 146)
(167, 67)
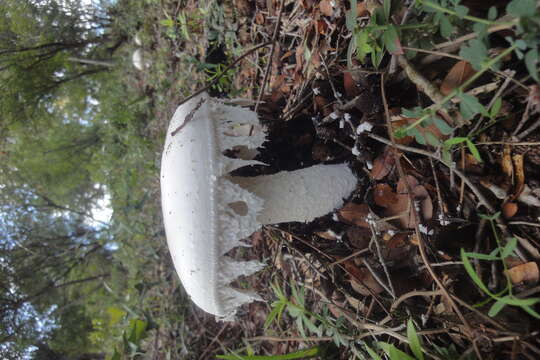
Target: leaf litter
(362, 261)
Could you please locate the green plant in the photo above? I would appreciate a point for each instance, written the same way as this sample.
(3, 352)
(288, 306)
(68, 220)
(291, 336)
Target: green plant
(319, 324)
(225, 83)
(131, 340)
(501, 252)
(185, 23)
(415, 345)
(300, 354)
(469, 105)
(379, 36)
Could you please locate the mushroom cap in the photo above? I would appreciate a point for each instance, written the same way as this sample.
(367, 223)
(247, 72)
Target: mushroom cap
(207, 212)
(200, 226)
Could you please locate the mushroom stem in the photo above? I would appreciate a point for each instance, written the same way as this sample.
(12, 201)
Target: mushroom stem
(300, 195)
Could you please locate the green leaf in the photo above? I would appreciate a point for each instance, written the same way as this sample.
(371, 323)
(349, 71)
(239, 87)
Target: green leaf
(490, 217)
(417, 136)
(496, 308)
(509, 248)
(310, 325)
(455, 140)
(391, 40)
(446, 156)
(413, 113)
(116, 355)
(276, 310)
(510, 300)
(445, 27)
(531, 312)
(387, 8)
(362, 46)
(432, 139)
(495, 108)
(480, 256)
(474, 150)
(531, 59)
(442, 125)
(400, 133)
(115, 315)
(350, 17)
(414, 341)
(520, 8)
(470, 106)
(475, 53)
(393, 352)
(138, 329)
(372, 353)
(376, 57)
(301, 354)
(473, 275)
(461, 11)
(167, 22)
(492, 13)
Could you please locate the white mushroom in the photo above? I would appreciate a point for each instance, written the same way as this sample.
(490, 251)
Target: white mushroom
(140, 60)
(207, 212)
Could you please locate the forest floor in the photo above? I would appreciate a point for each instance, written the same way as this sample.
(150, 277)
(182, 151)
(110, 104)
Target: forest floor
(435, 254)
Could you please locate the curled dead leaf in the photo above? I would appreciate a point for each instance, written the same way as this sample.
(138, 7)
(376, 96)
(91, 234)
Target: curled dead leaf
(527, 272)
(359, 238)
(362, 281)
(397, 204)
(355, 214)
(349, 84)
(384, 195)
(383, 164)
(459, 73)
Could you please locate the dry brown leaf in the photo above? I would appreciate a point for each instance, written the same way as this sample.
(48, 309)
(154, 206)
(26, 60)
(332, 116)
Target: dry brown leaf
(509, 209)
(459, 73)
(383, 164)
(527, 272)
(326, 7)
(362, 281)
(359, 238)
(321, 26)
(349, 84)
(384, 195)
(402, 184)
(355, 214)
(397, 203)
